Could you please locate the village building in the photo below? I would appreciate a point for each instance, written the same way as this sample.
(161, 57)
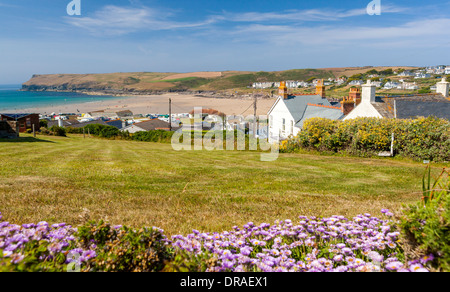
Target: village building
(403, 107)
(25, 121)
(289, 112)
(9, 129)
(152, 125)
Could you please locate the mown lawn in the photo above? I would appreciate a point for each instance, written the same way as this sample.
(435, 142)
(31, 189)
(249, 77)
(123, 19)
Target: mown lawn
(72, 179)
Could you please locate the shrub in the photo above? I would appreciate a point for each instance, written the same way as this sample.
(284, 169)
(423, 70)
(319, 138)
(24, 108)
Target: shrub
(153, 136)
(121, 249)
(43, 124)
(426, 225)
(58, 131)
(420, 139)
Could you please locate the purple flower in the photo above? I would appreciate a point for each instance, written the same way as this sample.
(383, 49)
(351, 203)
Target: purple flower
(394, 266)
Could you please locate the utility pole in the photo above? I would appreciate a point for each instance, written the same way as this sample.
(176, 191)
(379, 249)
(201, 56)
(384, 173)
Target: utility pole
(170, 114)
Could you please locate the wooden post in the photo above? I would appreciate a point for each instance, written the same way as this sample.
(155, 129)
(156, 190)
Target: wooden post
(34, 131)
(89, 133)
(392, 145)
(84, 133)
(170, 114)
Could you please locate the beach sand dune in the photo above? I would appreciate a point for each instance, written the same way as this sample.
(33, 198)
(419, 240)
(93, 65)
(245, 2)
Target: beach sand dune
(159, 104)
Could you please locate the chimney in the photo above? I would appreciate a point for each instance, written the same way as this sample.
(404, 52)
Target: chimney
(320, 88)
(282, 90)
(442, 87)
(350, 102)
(368, 92)
(347, 106)
(355, 95)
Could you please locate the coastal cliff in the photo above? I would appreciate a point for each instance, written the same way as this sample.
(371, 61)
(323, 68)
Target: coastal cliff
(154, 83)
(149, 82)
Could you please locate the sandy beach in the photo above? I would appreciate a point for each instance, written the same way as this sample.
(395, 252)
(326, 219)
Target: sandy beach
(159, 104)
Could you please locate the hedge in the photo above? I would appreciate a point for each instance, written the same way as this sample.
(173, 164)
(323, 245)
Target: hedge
(419, 139)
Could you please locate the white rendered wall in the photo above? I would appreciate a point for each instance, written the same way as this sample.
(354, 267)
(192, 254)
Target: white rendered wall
(276, 116)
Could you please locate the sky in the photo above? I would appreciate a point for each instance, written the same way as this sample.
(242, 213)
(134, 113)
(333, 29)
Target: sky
(40, 37)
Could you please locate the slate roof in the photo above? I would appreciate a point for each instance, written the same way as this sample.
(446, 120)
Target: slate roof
(81, 125)
(66, 123)
(155, 124)
(413, 106)
(302, 108)
(319, 112)
(16, 116)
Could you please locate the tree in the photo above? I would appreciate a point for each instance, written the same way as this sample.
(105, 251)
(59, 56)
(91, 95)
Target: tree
(387, 72)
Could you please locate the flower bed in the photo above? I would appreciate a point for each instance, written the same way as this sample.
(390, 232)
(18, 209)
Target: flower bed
(334, 244)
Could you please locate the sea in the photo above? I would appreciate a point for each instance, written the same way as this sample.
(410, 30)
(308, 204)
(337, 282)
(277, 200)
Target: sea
(12, 99)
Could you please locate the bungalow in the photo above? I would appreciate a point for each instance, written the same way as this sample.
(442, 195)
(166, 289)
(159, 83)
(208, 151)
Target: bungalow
(25, 121)
(289, 112)
(151, 125)
(403, 107)
(9, 129)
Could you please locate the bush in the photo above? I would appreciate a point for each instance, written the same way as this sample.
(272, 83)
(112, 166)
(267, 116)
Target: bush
(58, 131)
(98, 130)
(121, 249)
(153, 136)
(43, 124)
(420, 139)
(426, 225)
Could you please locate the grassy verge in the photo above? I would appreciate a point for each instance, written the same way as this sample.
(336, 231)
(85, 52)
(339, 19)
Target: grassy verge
(135, 184)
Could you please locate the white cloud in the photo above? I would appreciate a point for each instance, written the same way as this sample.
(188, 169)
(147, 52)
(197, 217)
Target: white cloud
(306, 15)
(421, 32)
(115, 20)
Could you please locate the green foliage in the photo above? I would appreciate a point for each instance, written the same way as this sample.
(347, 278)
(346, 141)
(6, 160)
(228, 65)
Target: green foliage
(102, 131)
(43, 124)
(420, 139)
(424, 90)
(188, 262)
(121, 249)
(160, 136)
(58, 131)
(387, 72)
(426, 224)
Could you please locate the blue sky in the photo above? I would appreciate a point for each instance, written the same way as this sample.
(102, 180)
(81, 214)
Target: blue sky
(39, 37)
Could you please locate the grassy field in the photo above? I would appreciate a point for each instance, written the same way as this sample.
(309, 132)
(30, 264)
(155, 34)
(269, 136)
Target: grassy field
(69, 179)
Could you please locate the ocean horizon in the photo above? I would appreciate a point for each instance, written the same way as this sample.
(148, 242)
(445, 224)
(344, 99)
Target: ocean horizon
(12, 99)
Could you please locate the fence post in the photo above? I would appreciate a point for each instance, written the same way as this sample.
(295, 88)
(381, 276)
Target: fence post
(34, 131)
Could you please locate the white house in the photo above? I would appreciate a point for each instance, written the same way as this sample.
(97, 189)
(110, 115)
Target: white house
(447, 71)
(401, 107)
(289, 112)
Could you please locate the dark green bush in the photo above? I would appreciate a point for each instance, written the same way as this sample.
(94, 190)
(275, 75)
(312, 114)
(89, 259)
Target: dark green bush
(426, 225)
(43, 124)
(58, 131)
(121, 249)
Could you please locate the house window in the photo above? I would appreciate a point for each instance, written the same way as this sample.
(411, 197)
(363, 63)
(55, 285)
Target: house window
(292, 127)
(284, 125)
